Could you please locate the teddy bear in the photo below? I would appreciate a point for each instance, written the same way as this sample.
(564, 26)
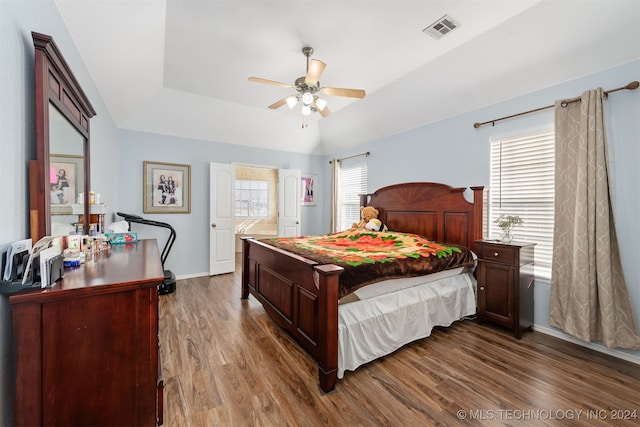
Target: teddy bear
(367, 213)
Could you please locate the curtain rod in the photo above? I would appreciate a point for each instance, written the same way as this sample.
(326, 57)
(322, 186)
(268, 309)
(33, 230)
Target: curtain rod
(351, 157)
(631, 86)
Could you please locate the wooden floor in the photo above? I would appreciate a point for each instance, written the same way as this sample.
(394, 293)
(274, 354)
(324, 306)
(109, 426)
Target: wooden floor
(222, 359)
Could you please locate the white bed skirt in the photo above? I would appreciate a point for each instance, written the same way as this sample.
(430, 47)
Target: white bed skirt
(375, 327)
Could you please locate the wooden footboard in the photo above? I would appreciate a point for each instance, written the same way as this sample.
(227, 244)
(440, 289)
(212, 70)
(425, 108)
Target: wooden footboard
(300, 296)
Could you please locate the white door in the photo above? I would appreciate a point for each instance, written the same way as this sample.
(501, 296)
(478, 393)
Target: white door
(222, 239)
(289, 212)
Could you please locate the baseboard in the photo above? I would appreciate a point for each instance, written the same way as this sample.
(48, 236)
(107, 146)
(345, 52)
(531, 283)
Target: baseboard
(597, 347)
(192, 276)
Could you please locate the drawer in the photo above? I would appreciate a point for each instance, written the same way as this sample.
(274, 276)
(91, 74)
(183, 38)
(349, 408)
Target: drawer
(503, 254)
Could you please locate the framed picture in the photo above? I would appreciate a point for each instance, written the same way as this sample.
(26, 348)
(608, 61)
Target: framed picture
(309, 189)
(66, 180)
(167, 188)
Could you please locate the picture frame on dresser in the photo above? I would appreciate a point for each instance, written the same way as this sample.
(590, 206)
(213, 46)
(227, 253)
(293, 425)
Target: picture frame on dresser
(167, 187)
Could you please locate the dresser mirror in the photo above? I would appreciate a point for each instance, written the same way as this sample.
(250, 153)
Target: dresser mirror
(59, 177)
(66, 173)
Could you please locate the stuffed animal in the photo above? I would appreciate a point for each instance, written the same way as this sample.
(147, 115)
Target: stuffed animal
(367, 213)
(376, 225)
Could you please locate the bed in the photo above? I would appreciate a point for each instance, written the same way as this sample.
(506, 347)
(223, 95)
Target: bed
(303, 295)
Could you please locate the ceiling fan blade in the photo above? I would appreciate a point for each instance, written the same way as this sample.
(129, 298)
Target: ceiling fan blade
(351, 93)
(325, 112)
(314, 72)
(269, 82)
(278, 104)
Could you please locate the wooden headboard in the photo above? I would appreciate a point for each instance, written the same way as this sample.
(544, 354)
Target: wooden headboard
(437, 211)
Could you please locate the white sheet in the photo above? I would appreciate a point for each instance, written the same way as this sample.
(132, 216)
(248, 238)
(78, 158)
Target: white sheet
(375, 327)
(393, 285)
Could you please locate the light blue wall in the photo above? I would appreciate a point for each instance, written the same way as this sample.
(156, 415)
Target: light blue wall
(452, 151)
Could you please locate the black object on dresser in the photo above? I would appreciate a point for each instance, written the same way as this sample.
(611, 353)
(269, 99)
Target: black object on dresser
(505, 284)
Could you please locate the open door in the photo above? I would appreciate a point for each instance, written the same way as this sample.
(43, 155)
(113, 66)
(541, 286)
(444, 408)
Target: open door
(222, 239)
(289, 211)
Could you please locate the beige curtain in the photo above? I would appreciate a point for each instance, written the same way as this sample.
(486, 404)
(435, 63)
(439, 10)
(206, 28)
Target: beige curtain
(335, 187)
(589, 297)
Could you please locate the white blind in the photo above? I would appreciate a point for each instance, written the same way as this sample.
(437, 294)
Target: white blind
(522, 183)
(353, 182)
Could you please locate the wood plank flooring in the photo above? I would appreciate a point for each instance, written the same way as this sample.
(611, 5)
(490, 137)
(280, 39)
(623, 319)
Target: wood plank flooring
(224, 364)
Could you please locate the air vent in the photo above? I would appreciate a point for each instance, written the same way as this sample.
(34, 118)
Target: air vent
(442, 26)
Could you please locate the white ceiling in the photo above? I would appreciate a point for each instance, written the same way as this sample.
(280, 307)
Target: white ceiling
(181, 67)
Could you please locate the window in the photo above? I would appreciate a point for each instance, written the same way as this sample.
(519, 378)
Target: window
(522, 183)
(353, 182)
(252, 199)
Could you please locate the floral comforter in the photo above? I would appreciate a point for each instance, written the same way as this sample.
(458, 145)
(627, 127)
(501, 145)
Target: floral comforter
(369, 256)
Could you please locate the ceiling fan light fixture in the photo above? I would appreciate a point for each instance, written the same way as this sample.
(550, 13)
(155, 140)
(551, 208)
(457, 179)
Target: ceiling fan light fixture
(307, 98)
(306, 110)
(320, 103)
(292, 101)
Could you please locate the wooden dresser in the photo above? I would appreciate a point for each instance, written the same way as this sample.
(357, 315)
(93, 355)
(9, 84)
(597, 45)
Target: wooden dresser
(505, 284)
(87, 350)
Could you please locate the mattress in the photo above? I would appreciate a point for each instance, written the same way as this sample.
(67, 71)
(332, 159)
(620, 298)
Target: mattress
(379, 325)
(394, 285)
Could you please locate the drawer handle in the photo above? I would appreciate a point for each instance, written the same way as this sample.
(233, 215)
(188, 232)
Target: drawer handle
(482, 288)
(495, 254)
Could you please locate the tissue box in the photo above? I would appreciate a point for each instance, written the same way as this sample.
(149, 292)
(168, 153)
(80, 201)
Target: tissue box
(119, 238)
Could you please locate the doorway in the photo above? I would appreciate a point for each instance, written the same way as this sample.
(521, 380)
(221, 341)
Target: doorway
(256, 203)
(256, 200)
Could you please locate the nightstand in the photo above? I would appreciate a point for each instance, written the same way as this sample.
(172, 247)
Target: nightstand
(505, 284)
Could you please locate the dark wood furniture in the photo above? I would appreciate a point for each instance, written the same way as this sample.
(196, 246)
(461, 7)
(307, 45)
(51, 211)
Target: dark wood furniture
(301, 296)
(86, 350)
(56, 88)
(505, 284)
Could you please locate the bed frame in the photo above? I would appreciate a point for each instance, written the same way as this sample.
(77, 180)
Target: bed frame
(301, 295)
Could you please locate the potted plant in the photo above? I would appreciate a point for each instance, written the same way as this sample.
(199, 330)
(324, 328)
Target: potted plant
(506, 224)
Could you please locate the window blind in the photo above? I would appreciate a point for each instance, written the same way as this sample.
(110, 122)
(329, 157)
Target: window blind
(522, 183)
(353, 182)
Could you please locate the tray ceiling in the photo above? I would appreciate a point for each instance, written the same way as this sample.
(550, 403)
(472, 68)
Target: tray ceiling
(185, 64)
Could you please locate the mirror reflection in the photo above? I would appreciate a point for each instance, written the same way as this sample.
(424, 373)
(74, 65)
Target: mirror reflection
(66, 173)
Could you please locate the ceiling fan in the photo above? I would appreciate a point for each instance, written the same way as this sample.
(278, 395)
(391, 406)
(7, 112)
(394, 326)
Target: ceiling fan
(308, 87)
